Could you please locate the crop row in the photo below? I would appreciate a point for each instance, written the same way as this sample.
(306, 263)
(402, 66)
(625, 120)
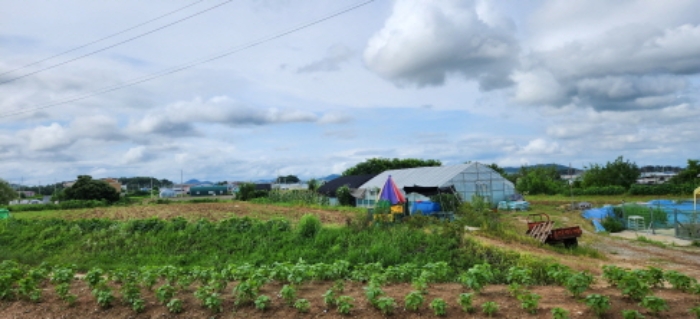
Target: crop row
(209, 285)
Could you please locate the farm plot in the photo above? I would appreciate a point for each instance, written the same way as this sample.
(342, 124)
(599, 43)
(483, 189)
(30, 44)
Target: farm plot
(340, 291)
(194, 211)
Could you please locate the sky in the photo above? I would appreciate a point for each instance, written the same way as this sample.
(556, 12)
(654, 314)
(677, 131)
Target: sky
(252, 89)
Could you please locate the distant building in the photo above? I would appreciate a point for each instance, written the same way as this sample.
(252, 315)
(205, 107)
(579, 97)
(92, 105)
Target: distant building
(652, 178)
(208, 190)
(27, 193)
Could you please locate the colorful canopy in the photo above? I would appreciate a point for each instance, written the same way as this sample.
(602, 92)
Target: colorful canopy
(391, 193)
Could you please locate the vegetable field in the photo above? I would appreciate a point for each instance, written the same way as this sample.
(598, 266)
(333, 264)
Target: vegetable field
(244, 260)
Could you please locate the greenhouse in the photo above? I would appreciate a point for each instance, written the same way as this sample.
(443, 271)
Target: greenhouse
(466, 180)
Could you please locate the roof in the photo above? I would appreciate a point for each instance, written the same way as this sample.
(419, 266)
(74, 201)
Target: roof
(353, 181)
(420, 176)
(207, 188)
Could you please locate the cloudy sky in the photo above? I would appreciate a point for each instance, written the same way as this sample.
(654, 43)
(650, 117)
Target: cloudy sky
(251, 89)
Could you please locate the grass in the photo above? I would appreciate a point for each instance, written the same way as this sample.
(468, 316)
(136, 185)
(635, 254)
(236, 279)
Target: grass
(643, 239)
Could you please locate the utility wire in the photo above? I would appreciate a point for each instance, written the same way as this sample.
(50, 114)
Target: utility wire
(116, 44)
(101, 39)
(191, 64)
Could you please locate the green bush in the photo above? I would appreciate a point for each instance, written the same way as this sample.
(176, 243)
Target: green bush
(612, 224)
(309, 226)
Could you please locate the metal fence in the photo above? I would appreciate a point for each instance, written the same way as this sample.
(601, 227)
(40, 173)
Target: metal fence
(686, 224)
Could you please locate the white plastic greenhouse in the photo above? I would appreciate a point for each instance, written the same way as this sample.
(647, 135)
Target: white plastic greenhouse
(466, 179)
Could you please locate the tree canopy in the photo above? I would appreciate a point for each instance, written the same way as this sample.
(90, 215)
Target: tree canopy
(289, 179)
(86, 188)
(689, 175)
(6, 192)
(538, 180)
(620, 172)
(378, 165)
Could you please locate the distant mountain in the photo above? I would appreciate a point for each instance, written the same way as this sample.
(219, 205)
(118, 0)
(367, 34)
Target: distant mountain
(562, 169)
(329, 177)
(197, 182)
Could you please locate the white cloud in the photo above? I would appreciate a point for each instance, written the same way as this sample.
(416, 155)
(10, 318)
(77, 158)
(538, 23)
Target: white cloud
(53, 137)
(336, 55)
(423, 42)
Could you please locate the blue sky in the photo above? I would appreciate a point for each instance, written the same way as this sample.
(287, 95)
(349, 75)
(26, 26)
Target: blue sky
(492, 81)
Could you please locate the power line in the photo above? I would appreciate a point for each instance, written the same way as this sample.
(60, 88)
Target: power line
(101, 39)
(116, 44)
(191, 64)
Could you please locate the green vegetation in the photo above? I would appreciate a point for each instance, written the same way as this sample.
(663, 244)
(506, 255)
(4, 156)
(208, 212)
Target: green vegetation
(378, 165)
(6, 193)
(598, 303)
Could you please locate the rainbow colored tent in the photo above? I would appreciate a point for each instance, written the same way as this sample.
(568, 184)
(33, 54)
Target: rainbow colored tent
(391, 193)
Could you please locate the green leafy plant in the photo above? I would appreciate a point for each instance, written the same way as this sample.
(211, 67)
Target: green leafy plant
(329, 298)
(654, 304)
(696, 311)
(578, 283)
(345, 304)
(174, 305)
(63, 292)
(94, 277)
(678, 280)
(519, 275)
(138, 305)
(654, 277)
(246, 291)
(302, 305)
(164, 293)
(386, 305)
(414, 300)
(28, 288)
(465, 300)
(559, 273)
(289, 294)
(373, 292)
(631, 314)
(477, 277)
(104, 296)
(489, 308)
(529, 302)
(209, 298)
(420, 284)
(439, 306)
(515, 289)
(598, 303)
(262, 302)
(613, 274)
(633, 286)
(560, 313)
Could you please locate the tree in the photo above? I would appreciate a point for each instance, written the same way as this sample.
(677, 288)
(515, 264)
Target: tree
(378, 165)
(314, 184)
(86, 188)
(289, 179)
(6, 192)
(618, 173)
(690, 175)
(538, 180)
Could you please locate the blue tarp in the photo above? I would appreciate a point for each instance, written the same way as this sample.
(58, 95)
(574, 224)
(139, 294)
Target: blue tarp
(670, 207)
(596, 215)
(427, 207)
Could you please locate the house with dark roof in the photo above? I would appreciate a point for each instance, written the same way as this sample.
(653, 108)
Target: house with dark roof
(353, 182)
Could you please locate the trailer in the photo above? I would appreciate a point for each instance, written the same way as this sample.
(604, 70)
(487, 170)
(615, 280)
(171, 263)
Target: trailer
(540, 227)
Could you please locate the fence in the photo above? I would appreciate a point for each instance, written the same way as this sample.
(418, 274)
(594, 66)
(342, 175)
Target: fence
(686, 224)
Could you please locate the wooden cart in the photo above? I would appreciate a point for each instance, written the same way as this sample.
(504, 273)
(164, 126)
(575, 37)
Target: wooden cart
(540, 227)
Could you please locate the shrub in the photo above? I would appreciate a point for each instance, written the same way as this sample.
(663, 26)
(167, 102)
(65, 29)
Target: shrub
(612, 225)
(309, 226)
(413, 300)
(465, 301)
